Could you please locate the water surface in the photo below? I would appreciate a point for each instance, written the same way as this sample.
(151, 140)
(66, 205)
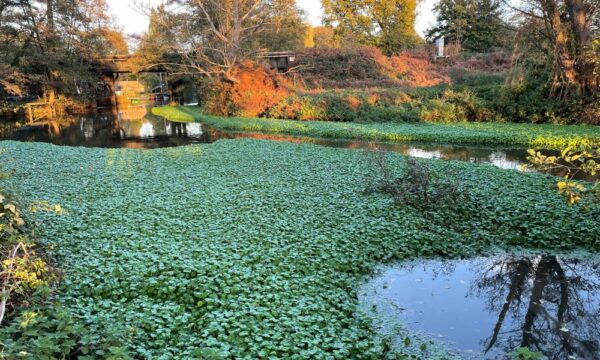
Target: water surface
(486, 308)
(135, 128)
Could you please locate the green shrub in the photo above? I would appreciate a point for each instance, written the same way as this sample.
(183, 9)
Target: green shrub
(464, 77)
(337, 108)
(388, 105)
(457, 106)
(51, 332)
(297, 108)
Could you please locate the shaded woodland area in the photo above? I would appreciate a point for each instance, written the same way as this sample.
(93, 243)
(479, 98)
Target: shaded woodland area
(47, 47)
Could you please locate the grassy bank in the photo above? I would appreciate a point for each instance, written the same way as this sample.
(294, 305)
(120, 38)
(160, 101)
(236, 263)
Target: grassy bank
(526, 135)
(252, 249)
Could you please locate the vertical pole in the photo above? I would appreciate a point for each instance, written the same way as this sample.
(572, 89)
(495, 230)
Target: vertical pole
(30, 113)
(114, 90)
(160, 97)
(169, 87)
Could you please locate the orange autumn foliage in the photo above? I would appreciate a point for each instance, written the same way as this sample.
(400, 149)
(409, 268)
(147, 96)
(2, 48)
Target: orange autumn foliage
(417, 69)
(257, 89)
(353, 102)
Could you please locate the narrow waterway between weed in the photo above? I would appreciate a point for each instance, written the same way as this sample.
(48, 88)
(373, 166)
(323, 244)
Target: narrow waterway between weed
(137, 129)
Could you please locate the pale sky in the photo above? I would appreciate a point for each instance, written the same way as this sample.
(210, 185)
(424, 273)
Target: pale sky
(133, 21)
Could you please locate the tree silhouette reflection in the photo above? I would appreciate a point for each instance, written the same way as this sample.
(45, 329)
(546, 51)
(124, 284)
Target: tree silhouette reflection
(550, 302)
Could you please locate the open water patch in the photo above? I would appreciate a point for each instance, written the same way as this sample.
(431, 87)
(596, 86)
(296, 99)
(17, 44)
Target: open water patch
(486, 308)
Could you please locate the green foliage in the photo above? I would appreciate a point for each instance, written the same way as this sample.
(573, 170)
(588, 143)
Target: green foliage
(539, 136)
(24, 271)
(387, 24)
(32, 325)
(68, 36)
(253, 249)
(572, 161)
(535, 90)
(457, 106)
(526, 354)
(389, 105)
(477, 25)
(49, 331)
(177, 114)
(286, 27)
(525, 99)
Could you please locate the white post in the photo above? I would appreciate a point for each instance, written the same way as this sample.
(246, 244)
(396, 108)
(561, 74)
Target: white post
(439, 42)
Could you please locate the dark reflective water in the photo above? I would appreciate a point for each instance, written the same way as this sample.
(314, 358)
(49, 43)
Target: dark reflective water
(487, 308)
(134, 128)
(131, 129)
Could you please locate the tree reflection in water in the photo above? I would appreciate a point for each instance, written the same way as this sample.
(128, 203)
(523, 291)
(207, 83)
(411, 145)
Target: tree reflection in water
(551, 301)
(489, 307)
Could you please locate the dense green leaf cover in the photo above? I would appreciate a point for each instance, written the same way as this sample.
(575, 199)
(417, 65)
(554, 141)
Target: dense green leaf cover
(254, 249)
(531, 135)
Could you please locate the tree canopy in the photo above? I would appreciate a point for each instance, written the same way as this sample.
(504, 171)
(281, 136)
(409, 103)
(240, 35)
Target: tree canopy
(49, 44)
(212, 37)
(387, 24)
(476, 25)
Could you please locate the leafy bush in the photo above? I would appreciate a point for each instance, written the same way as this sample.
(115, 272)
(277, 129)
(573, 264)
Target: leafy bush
(32, 325)
(457, 106)
(49, 331)
(417, 186)
(256, 90)
(526, 95)
(572, 161)
(24, 270)
(347, 106)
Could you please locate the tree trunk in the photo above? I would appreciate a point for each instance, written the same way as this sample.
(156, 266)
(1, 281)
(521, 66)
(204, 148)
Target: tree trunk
(50, 16)
(514, 292)
(535, 303)
(560, 37)
(583, 45)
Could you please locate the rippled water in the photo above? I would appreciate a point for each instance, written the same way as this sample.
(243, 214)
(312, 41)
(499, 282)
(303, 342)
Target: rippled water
(488, 307)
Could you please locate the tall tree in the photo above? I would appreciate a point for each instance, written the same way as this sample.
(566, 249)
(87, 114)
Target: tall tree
(50, 44)
(214, 36)
(567, 25)
(285, 26)
(476, 25)
(387, 24)
(324, 36)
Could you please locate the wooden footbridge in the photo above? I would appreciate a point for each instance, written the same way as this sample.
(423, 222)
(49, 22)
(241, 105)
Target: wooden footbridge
(121, 91)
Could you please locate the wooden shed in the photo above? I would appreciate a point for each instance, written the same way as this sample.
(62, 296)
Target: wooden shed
(281, 61)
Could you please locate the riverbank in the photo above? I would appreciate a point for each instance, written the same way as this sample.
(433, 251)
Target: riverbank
(262, 253)
(493, 134)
